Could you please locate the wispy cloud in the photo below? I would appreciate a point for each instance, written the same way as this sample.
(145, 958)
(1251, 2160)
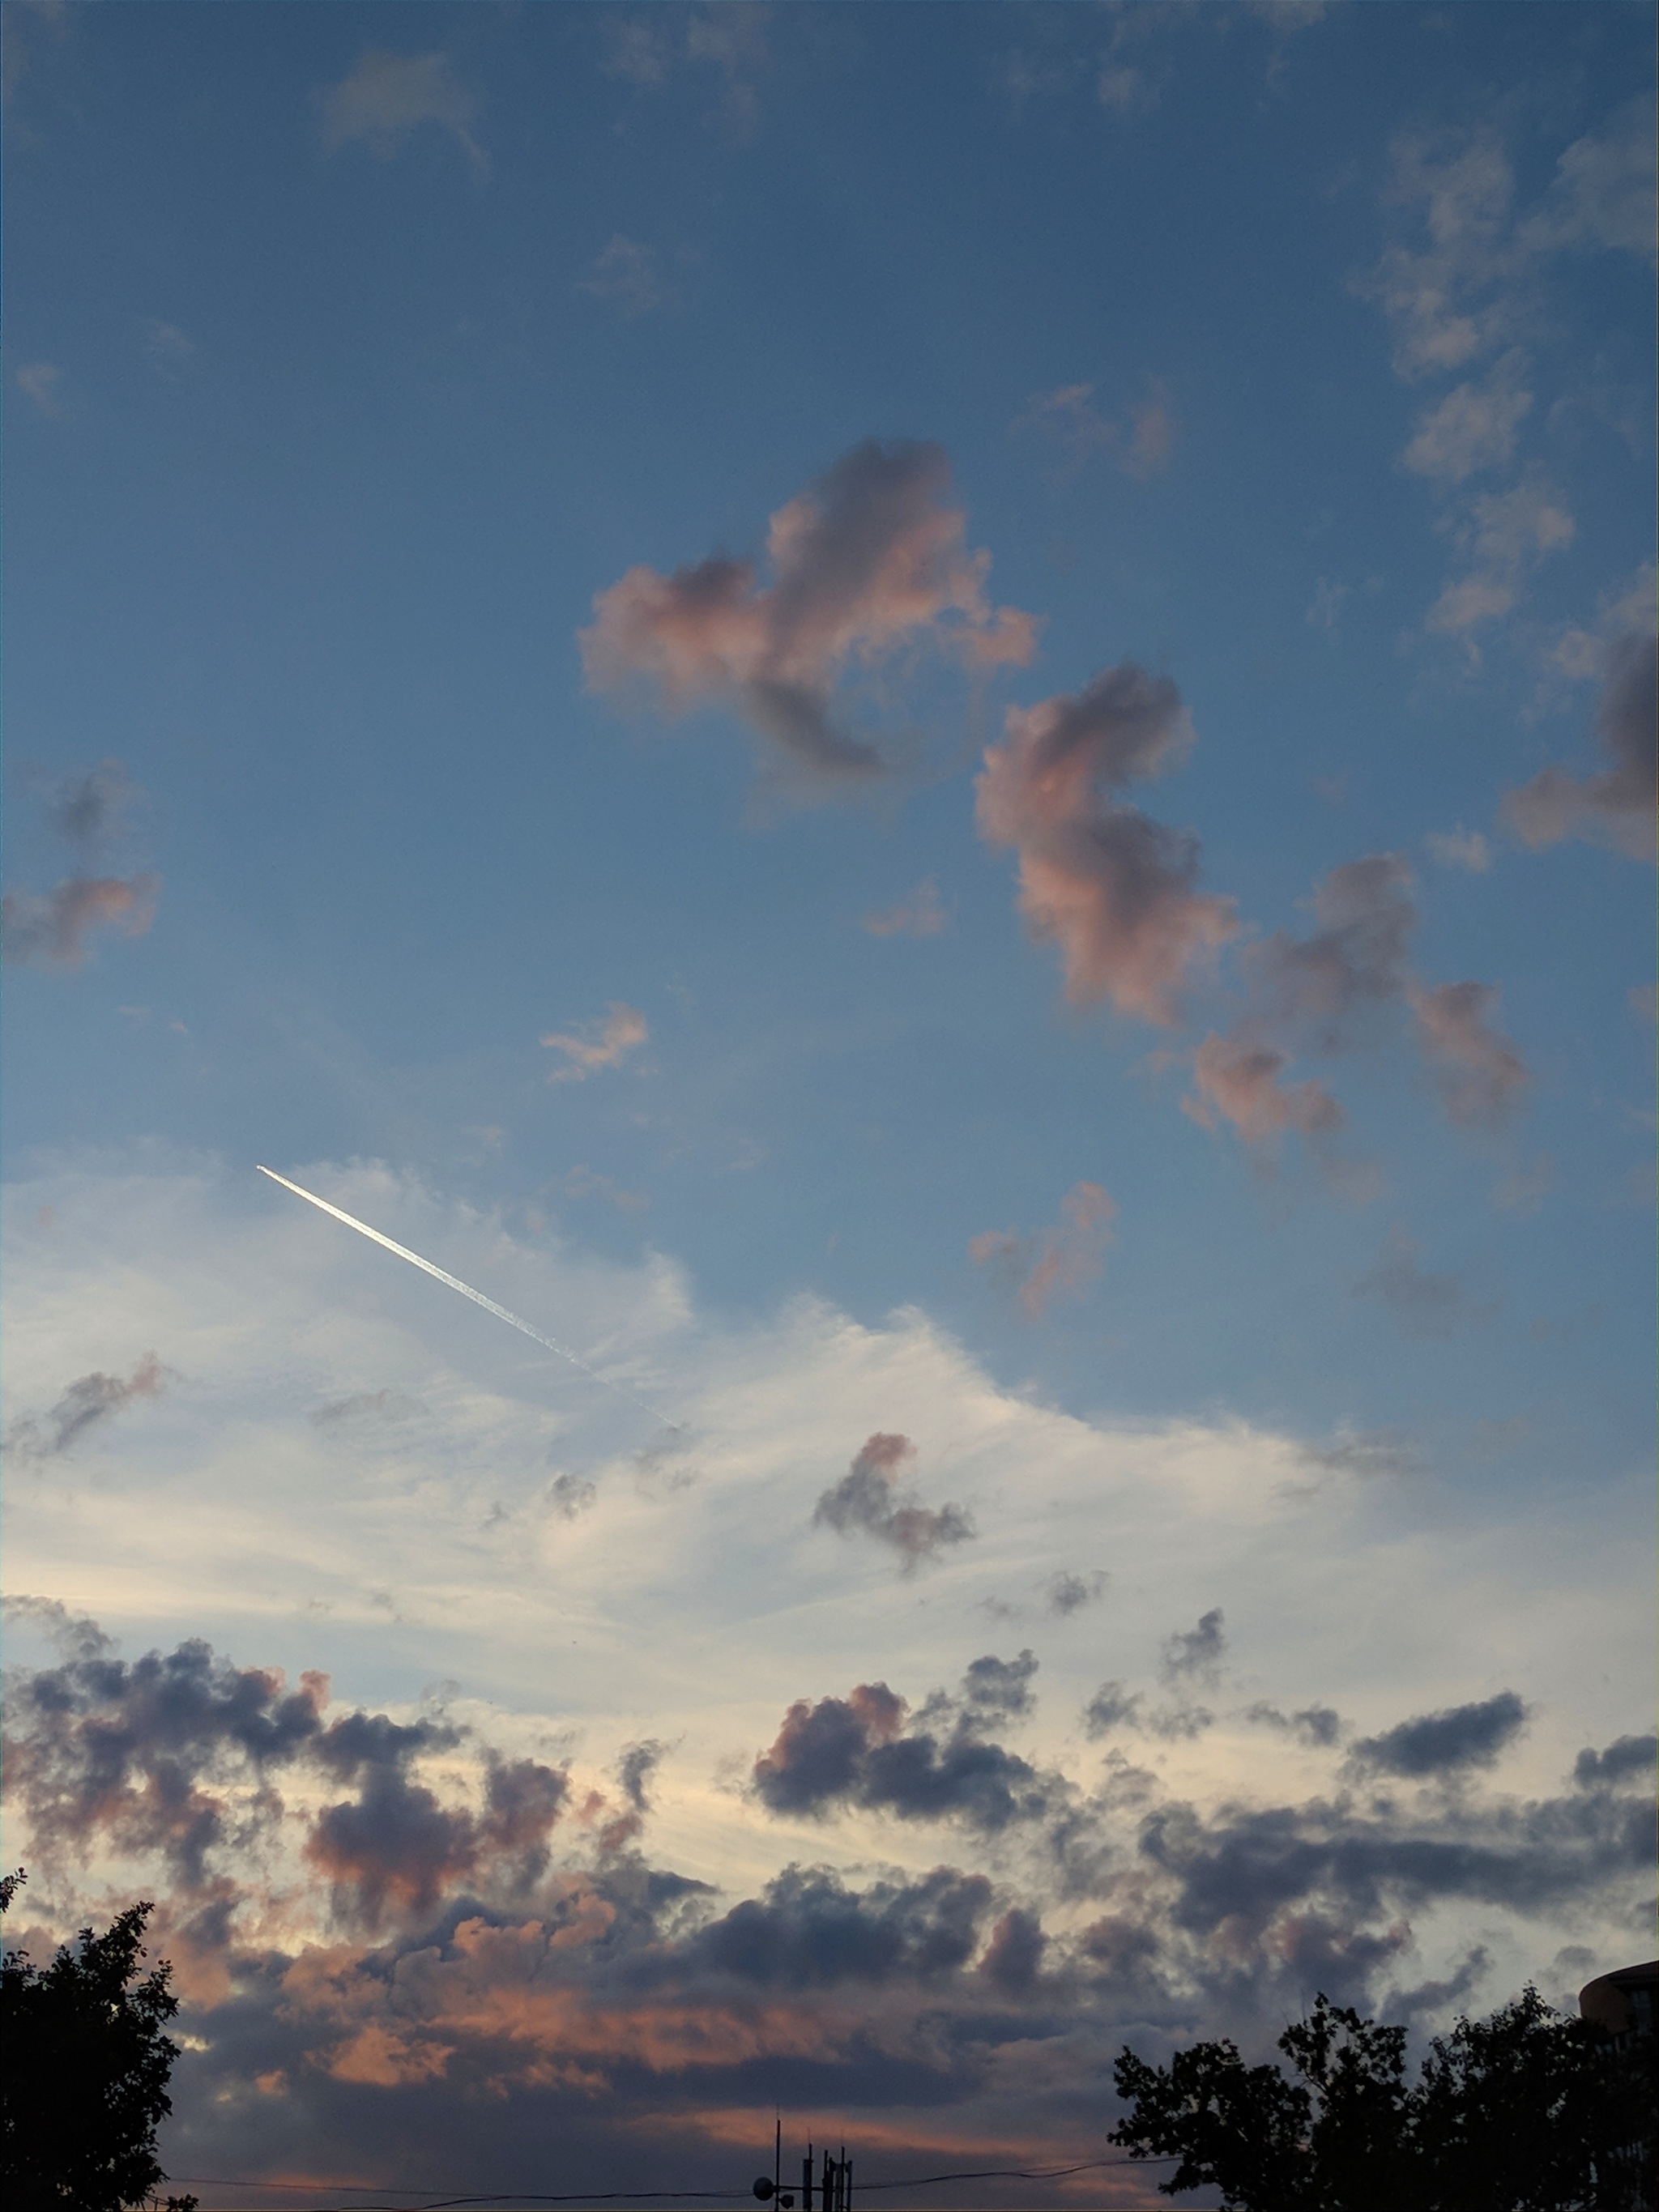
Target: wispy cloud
(629, 276)
(1061, 1262)
(42, 382)
(920, 915)
(86, 1403)
(1138, 441)
(598, 1044)
(1426, 1301)
(53, 930)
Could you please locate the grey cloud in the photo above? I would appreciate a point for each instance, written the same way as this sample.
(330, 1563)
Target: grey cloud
(600, 1998)
(1628, 1758)
(638, 1763)
(86, 1403)
(999, 1689)
(1013, 1956)
(808, 1930)
(1444, 1742)
(1427, 1302)
(857, 1751)
(53, 930)
(1064, 1593)
(570, 1497)
(1365, 1452)
(366, 1404)
(1111, 1707)
(1317, 1726)
(1195, 1654)
(866, 1500)
(88, 809)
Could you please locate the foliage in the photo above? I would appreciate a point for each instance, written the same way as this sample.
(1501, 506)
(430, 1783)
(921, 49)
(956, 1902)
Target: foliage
(1525, 2111)
(83, 2087)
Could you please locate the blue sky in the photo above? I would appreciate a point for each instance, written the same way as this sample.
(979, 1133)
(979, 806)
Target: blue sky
(1200, 665)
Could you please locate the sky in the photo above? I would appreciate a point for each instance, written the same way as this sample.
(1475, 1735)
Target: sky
(933, 727)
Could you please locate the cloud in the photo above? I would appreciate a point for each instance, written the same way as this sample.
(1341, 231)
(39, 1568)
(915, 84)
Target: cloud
(918, 916)
(630, 275)
(1193, 1655)
(1505, 536)
(1482, 1076)
(53, 930)
(368, 1404)
(42, 381)
(1056, 1262)
(856, 1753)
(1355, 958)
(168, 348)
(1314, 994)
(1427, 1303)
(584, 1181)
(1064, 1593)
(1318, 1727)
(646, 51)
(616, 1993)
(86, 1403)
(869, 560)
(1602, 198)
(1460, 848)
(570, 1497)
(1365, 1453)
(1139, 443)
(1615, 807)
(1630, 1759)
(867, 1498)
(1472, 428)
(599, 1044)
(1445, 1743)
(1112, 1706)
(1325, 608)
(387, 96)
(1238, 1081)
(88, 809)
(1523, 1189)
(1114, 889)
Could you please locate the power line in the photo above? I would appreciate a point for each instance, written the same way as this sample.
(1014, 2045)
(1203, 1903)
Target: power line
(646, 2195)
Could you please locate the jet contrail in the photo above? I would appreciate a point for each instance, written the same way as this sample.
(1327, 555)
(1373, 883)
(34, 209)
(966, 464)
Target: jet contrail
(467, 1291)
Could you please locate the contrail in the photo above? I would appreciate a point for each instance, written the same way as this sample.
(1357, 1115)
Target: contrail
(467, 1291)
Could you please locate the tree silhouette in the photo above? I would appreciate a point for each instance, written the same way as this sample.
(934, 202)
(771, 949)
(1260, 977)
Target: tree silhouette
(85, 2068)
(1526, 2112)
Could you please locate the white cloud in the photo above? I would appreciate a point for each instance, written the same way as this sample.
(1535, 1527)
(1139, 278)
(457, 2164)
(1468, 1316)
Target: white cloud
(694, 1597)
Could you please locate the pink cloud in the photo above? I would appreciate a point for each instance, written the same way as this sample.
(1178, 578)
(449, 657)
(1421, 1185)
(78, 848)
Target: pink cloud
(54, 930)
(870, 559)
(1615, 807)
(920, 915)
(1060, 1262)
(599, 1044)
(1482, 1076)
(1239, 1080)
(1112, 888)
